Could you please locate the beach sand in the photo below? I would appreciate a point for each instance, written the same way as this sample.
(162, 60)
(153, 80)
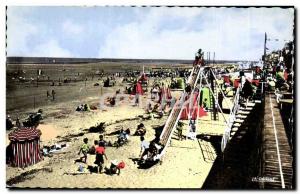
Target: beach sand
(185, 164)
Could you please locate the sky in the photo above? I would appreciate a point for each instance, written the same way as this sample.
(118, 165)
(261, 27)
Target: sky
(145, 32)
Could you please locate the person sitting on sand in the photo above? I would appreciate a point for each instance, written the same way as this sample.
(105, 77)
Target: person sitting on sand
(153, 151)
(141, 130)
(154, 93)
(179, 130)
(86, 107)
(80, 108)
(149, 108)
(144, 147)
(9, 123)
(102, 141)
(127, 132)
(164, 108)
(155, 108)
(84, 149)
(150, 112)
(123, 135)
(100, 152)
(112, 101)
(94, 147)
(114, 168)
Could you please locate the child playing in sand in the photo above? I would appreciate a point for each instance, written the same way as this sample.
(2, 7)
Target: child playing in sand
(141, 130)
(100, 152)
(179, 130)
(115, 167)
(84, 149)
(144, 147)
(94, 147)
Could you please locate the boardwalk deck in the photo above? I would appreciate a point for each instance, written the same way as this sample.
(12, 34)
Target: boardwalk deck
(277, 163)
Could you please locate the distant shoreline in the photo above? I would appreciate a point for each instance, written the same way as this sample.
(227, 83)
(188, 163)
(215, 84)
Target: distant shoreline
(56, 60)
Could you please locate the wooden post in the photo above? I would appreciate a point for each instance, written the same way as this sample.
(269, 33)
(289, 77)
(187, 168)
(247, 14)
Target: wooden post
(37, 78)
(265, 46)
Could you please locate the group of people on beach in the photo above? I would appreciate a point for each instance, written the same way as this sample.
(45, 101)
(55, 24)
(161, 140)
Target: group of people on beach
(99, 150)
(279, 68)
(150, 151)
(52, 95)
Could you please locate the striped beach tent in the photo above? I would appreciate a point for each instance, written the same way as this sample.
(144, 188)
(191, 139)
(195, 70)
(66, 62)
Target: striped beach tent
(192, 110)
(139, 88)
(168, 93)
(164, 94)
(25, 146)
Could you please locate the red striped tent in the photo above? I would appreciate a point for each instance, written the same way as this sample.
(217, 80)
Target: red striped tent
(138, 89)
(193, 110)
(165, 93)
(161, 94)
(25, 145)
(168, 93)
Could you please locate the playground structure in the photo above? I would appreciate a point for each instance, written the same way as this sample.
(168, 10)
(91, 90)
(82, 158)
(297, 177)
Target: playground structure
(191, 98)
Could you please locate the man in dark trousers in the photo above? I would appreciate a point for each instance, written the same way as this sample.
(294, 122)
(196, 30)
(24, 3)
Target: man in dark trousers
(53, 94)
(220, 100)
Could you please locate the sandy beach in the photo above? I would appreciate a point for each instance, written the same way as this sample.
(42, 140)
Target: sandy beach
(185, 165)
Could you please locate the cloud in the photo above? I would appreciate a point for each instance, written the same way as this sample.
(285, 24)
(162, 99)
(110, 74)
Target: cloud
(50, 48)
(28, 37)
(17, 38)
(146, 32)
(230, 33)
(71, 28)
